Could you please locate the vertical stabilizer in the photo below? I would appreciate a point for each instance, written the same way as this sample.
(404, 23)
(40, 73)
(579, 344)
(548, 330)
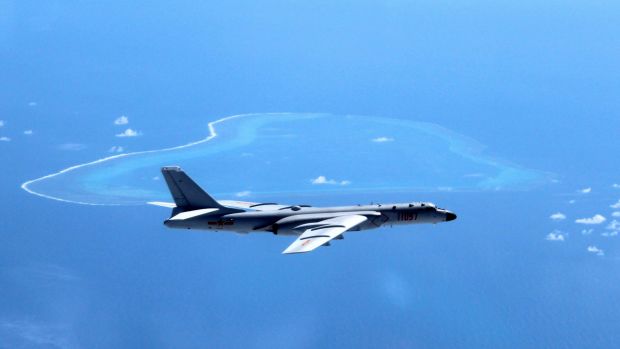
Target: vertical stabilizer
(186, 193)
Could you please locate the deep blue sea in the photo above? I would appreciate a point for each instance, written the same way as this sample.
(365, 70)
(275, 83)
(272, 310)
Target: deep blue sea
(506, 113)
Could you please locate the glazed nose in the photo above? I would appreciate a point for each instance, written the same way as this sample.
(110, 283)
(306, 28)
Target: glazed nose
(450, 216)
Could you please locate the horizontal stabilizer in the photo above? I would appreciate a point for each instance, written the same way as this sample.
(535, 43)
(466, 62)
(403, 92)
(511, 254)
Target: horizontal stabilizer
(193, 214)
(162, 204)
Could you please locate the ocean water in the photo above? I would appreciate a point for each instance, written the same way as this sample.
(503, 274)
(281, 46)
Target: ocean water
(260, 154)
(505, 113)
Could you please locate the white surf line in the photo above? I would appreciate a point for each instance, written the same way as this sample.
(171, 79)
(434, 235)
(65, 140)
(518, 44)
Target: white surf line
(212, 134)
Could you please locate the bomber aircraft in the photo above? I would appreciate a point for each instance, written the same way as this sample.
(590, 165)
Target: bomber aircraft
(193, 208)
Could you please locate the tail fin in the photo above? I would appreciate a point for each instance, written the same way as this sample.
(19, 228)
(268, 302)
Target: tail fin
(186, 193)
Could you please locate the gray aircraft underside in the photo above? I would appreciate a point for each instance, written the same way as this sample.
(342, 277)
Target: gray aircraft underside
(193, 208)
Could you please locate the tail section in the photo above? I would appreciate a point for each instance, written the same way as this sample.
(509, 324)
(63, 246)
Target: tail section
(186, 193)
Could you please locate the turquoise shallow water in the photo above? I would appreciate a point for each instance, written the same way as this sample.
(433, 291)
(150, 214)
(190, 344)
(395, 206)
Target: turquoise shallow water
(298, 153)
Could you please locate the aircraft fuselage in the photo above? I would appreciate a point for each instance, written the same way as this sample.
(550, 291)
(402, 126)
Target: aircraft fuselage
(193, 208)
(283, 220)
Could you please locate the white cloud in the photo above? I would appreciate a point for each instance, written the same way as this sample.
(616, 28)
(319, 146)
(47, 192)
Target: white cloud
(615, 214)
(558, 216)
(555, 235)
(5, 139)
(615, 186)
(129, 133)
(32, 104)
(596, 219)
(596, 250)
(587, 231)
(72, 146)
(244, 193)
(616, 205)
(324, 180)
(382, 139)
(116, 149)
(1, 123)
(586, 190)
(156, 178)
(121, 120)
(614, 225)
(28, 132)
(610, 234)
(572, 201)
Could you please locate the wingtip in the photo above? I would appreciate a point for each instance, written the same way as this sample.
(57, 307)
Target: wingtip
(289, 251)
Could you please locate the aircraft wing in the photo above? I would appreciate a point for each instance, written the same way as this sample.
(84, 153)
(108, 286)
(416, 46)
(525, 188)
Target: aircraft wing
(320, 233)
(255, 206)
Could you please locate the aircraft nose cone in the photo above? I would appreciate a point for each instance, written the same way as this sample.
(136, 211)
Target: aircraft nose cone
(450, 216)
